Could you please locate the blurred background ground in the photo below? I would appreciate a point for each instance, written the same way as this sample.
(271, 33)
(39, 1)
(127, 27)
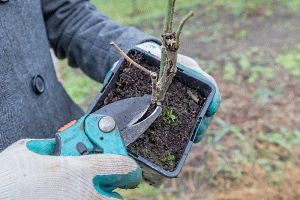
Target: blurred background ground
(252, 48)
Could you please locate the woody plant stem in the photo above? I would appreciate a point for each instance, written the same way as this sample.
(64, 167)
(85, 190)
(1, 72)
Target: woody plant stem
(168, 24)
(169, 51)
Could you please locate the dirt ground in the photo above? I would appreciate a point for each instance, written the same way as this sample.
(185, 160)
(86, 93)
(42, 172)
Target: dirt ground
(236, 166)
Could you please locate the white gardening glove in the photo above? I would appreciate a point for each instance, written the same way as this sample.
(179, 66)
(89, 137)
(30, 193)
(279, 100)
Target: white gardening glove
(28, 175)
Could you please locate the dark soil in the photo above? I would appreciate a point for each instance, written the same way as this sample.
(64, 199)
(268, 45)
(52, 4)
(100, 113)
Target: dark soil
(165, 141)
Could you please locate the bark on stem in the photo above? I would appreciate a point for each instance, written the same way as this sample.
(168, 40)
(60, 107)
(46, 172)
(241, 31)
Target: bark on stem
(170, 68)
(170, 47)
(167, 25)
(162, 59)
(154, 89)
(169, 15)
(173, 11)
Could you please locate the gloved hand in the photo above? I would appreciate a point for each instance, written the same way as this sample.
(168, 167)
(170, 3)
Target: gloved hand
(190, 65)
(28, 171)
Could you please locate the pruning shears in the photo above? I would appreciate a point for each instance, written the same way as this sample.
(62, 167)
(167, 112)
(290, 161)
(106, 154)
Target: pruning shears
(107, 130)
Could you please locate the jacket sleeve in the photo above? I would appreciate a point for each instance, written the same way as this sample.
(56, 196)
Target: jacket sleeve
(78, 31)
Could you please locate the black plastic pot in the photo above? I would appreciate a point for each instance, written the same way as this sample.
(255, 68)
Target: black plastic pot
(153, 173)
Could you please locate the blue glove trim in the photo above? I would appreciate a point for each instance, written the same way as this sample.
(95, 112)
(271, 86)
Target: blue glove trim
(215, 104)
(203, 127)
(105, 184)
(42, 147)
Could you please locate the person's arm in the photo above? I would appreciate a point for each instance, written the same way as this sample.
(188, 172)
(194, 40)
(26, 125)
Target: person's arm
(78, 31)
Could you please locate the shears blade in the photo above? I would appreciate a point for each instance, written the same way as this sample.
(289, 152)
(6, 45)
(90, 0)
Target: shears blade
(133, 132)
(127, 112)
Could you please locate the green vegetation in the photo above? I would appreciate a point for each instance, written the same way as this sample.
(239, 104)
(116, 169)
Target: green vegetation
(256, 65)
(168, 158)
(185, 102)
(241, 34)
(253, 64)
(284, 138)
(291, 61)
(229, 71)
(266, 95)
(144, 190)
(244, 155)
(275, 162)
(168, 116)
(123, 11)
(208, 66)
(272, 152)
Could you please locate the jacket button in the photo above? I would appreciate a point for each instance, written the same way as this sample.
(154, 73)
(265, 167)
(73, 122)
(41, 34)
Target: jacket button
(38, 84)
(3, 1)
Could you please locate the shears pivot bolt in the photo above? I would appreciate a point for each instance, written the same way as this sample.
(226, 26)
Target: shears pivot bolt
(107, 124)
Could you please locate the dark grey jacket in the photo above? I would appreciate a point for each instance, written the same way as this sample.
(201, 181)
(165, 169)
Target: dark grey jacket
(74, 29)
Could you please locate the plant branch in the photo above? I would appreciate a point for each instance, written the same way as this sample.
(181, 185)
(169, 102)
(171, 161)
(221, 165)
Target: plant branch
(167, 26)
(152, 74)
(169, 15)
(173, 11)
(170, 68)
(154, 88)
(179, 30)
(162, 59)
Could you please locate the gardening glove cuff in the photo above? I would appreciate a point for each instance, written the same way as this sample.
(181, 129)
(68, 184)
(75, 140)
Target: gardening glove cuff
(190, 65)
(28, 171)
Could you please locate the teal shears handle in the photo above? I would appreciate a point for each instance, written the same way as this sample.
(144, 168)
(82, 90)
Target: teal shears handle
(87, 136)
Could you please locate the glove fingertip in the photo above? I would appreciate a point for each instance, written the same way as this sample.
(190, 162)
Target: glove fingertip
(105, 184)
(214, 105)
(42, 147)
(134, 178)
(202, 129)
(198, 138)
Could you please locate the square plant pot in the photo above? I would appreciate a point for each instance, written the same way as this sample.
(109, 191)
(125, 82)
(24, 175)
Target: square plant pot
(153, 173)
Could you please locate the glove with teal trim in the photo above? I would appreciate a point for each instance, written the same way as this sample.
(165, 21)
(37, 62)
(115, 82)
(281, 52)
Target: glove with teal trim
(190, 65)
(29, 171)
